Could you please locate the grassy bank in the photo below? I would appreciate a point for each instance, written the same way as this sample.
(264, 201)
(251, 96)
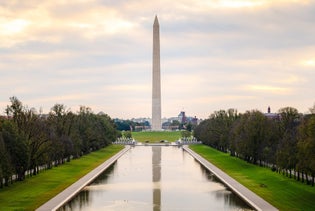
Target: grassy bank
(280, 191)
(156, 136)
(36, 190)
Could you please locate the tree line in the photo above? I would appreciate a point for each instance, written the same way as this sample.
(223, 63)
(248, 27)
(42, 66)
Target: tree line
(284, 142)
(30, 140)
(129, 125)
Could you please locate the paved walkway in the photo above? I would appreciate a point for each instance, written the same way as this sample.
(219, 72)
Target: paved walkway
(251, 198)
(75, 188)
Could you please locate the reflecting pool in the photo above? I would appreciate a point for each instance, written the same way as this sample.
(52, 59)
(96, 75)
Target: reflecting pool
(156, 178)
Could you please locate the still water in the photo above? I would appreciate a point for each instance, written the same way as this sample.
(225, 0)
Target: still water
(156, 178)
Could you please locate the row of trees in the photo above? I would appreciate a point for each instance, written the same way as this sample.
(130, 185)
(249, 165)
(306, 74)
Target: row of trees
(30, 141)
(129, 125)
(284, 142)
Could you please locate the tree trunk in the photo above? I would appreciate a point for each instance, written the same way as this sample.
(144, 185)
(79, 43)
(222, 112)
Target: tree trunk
(6, 181)
(298, 176)
(307, 180)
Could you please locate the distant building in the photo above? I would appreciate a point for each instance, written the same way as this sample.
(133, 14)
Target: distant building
(271, 115)
(194, 120)
(171, 123)
(182, 117)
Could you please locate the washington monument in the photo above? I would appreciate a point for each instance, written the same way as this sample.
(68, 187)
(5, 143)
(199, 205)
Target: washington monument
(156, 79)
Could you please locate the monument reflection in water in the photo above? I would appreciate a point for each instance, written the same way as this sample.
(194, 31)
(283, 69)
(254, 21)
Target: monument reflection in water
(156, 178)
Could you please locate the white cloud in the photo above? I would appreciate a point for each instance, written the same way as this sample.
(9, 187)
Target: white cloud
(12, 27)
(214, 55)
(309, 63)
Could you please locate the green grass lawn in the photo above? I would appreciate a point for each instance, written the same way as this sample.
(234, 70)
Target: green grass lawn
(36, 190)
(156, 136)
(282, 192)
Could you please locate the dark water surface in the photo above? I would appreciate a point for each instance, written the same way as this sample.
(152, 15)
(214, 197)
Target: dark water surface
(156, 178)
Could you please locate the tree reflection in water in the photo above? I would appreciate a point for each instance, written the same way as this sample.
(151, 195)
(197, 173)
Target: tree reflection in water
(156, 178)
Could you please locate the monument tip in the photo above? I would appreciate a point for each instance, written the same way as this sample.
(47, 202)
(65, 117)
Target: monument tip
(156, 21)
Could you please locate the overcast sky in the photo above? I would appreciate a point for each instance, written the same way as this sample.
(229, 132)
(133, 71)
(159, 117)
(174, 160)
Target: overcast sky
(215, 54)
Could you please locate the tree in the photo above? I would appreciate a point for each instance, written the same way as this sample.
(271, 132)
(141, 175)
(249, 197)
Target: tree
(306, 147)
(5, 167)
(287, 148)
(29, 127)
(122, 125)
(60, 123)
(95, 131)
(287, 143)
(215, 131)
(223, 122)
(16, 148)
(108, 129)
(127, 134)
(201, 132)
(269, 147)
(185, 133)
(250, 136)
(29, 140)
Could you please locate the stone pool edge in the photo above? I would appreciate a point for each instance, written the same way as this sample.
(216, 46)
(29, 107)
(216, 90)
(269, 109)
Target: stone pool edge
(250, 197)
(67, 194)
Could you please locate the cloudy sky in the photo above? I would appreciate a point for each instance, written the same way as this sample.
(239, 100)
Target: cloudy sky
(215, 54)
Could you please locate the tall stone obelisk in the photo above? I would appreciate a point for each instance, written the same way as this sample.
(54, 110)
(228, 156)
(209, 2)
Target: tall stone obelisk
(156, 78)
